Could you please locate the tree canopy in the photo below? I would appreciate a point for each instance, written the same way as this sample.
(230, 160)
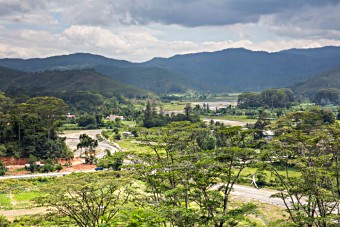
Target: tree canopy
(271, 98)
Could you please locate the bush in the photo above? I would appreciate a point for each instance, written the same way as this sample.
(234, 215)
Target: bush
(32, 161)
(48, 167)
(117, 137)
(3, 221)
(59, 167)
(3, 169)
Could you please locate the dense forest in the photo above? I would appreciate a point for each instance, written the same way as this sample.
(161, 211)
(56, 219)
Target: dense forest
(30, 128)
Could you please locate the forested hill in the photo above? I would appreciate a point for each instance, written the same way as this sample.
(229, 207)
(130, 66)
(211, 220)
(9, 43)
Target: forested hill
(62, 62)
(242, 69)
(329, 79)
(221, 71)
(150, 78)
(70, 80)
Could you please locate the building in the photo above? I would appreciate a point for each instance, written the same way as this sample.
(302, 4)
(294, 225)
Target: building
(269, 134)
(70, 116)
(114, 117)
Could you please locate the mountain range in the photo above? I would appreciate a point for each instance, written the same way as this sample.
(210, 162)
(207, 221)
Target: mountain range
(229, 70)
(49, 82)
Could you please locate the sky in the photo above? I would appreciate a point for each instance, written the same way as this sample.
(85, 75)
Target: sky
(139, 30)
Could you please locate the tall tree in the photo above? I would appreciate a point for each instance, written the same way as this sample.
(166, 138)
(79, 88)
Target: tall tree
(89, 199)
(311, 148)
(189, 167)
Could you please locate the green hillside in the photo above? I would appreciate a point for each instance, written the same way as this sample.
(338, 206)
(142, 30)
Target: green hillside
(229, 70)
(244, 70)
(70, 80)
(329, 79)
(150, 78)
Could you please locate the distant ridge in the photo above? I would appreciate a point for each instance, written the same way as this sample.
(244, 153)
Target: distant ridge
(63, 81)
(228, 70)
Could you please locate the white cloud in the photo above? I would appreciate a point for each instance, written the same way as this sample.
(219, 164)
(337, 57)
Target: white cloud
(133, 45)
(138, 30)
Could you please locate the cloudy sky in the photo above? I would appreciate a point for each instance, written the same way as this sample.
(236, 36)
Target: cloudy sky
(138, 30)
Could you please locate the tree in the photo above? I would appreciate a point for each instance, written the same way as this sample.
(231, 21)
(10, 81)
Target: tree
(50, 108)
(31, 128)
(32, 162)
(114, 161)
(249, 100)
(310, 148)
(89, 199)
(147, 120)
(187, 110)
(271, 98)
(89, 144)
(327, 96)
(193, 165)
(88, 121)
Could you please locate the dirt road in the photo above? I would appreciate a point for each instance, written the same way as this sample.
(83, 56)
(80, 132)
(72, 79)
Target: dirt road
(227, 122)
(72, 139)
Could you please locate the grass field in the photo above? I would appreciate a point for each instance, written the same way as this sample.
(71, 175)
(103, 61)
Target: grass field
(241, 118)
(133, 146)
(5, 201)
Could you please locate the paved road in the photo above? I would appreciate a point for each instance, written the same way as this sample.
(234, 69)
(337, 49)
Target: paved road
(262, 195)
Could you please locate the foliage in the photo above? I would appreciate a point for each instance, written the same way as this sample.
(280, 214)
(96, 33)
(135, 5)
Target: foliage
(272, 98)
(89, 144)
(192, 172)
(114, 161)
(4, 222)
(32, 164)
(77, 80)
(49, 219)
(313, 85)
(152, 119)
(88, 121)
(311, 147)
(327, 96)
(3, 169)
(89, 199)
(227, 69)
(31, 128)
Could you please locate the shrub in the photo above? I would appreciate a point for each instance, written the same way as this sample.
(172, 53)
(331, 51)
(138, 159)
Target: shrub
(3, 169)
(3, 221)
(59, 167)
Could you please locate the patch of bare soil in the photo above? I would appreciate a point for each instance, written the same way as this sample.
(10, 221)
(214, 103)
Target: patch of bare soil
(12, 214)
(77, 165)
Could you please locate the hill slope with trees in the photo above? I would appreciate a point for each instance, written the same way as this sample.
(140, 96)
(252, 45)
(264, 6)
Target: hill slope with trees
(244, 70)
(326, 80)
(229, 70)
(70, 80)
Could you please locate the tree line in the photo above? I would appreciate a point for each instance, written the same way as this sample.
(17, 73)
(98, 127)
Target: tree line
(271, 98)
(30, 128)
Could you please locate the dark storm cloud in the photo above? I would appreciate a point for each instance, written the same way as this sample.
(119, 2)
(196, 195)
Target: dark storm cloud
(17, 7)
(190, 13)
(295, 18)
(193, 13)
